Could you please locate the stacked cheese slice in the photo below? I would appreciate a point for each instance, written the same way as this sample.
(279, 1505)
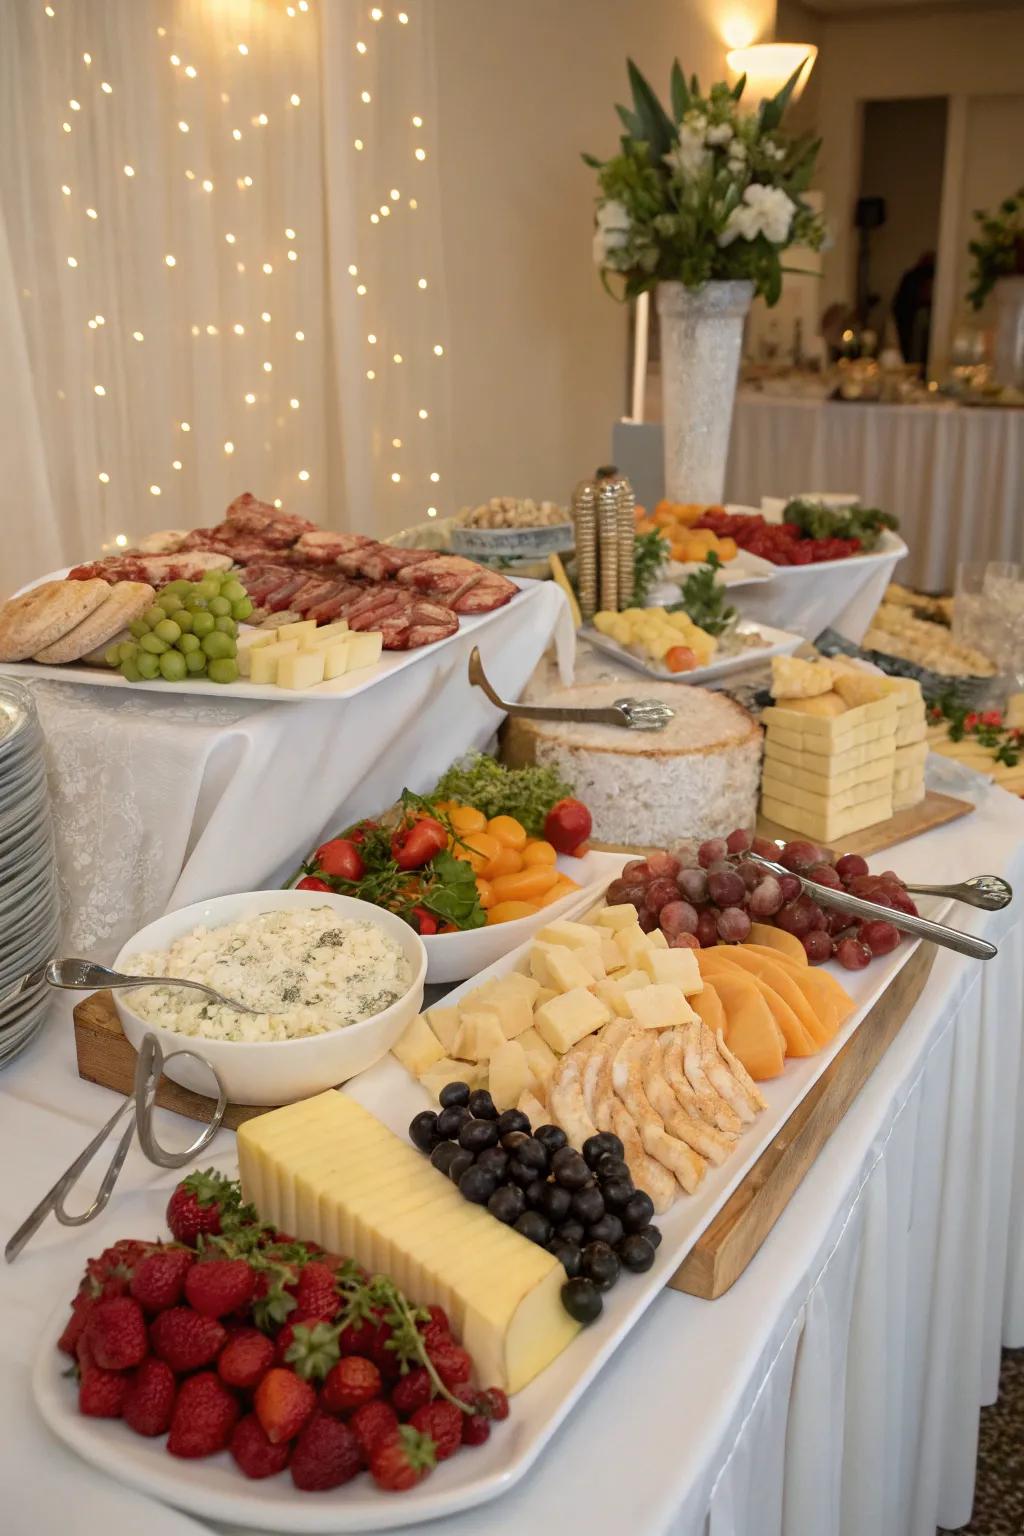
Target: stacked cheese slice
(855, 687)
(301, 654)
(329, 1171)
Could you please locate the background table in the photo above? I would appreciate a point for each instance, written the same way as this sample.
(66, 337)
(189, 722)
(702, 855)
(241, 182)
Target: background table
(160, 800)
(834, 1390)
(954, 475)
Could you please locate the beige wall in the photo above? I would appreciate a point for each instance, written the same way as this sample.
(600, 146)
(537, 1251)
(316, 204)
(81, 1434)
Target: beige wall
(538, 350)
(993, 169)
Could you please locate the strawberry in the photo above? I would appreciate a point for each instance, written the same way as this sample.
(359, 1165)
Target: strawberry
(350, 1383)
(476, 1428)
(75, 1325)
(149, 1398)
(84, 1355)
(116, 1330)
(159, 1278)
(452, 1363)
(254, 1453)
(215, 1287)
(101, 1393)
(402, 1462)
(492, 1403)
(439, 1317)
(316, 1294)
(326, 1454)
(313, 1350)
(246, 1358)
(442, 1422)
(204, 1415)
(185, 1339)
(435, 1336)
(197, 1205)
(283, 1402)
(110, 1274)
(285, 1337)
(412, 1391)
(372, 1423)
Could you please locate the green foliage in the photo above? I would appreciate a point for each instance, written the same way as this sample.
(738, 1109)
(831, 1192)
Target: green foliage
(703, 599)
(818, 522)
(999, 249)
(650, 551)
(525, 793)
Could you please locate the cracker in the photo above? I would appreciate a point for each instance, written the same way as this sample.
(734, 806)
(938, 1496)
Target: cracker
(128, 600)
(39, 617)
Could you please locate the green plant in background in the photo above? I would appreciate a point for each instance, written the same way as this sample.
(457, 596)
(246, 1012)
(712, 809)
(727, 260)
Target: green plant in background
(706, 192)
(650, 551)
(702, 597)
(999, 249)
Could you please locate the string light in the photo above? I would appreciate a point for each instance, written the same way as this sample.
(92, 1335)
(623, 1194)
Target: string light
(365, 98)
(289, 234)
(184, 426)
(121, 540)
(238, 329)
(431, 511)
(138, 336)
(268, 267)
(190, 70)
(420, 154)
(352, 271)
(361, 290)
(300, 335)
(394, 194)
(154, 490)
(195, 330)
(403, 18)
(303, 474)
(303, 5)
(106, 88)
(360, 47)
(49, 10)
(250, 399)
(396, 477)
(243, 49)
(376, 13)
(370, 374)
(211, 330)
(374, 218)
(239, 266)
(263, 119)
(175, 60)
(417, 122)
(170, 261)
(104, 478)
(129, 170)
(435, 477)
(229, 447)
(372, 339)
(91, 324)
(294, 404)
(358, 143)
(268, 367)
(72, 261)
(175, 463)
(422, 283)
(230, 239)
(396, 442)
(293, 255)
(207, 185)
(438, 350)
(236, 134)
(295, 99)
(91, 213)
(397, 357)
(86, 58)
(183, 127)
(76, 106)
(422, 414)
(100, 320)
(385, 211)
(190, 175)
(413, 203)
(66, 127)
(66, 190)
(265, 316)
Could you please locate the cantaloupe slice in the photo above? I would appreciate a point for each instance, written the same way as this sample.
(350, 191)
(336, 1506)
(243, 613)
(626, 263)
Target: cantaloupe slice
(800, 1040)
(710, 1008)
(784, 980)
(775, 938)
(751, 1032)
(819, 986)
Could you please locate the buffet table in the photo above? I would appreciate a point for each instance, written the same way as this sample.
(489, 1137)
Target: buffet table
(953, 475)
(834, 1389)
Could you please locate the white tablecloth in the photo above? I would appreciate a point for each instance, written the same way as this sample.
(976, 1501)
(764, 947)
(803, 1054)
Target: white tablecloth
(160, 800)
(953, 475)
(834, 1391)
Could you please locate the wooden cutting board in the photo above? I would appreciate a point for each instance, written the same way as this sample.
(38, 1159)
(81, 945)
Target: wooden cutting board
(721, 1255)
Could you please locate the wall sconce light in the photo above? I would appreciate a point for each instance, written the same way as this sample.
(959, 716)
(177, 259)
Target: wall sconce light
(768, 66)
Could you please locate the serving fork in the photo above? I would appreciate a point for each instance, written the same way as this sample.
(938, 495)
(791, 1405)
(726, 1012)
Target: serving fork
(632, 714)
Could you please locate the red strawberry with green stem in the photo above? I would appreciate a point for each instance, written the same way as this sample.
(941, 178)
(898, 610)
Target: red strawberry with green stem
(373, 1423)
(402, 1462)
(215, 1287)
(185, 1339)
(283, 1403)
(350, 1383)
(327, 1454)
(159, 1278)
(149, 1398)
(245, 1359)
(116, 1331)
(101, 1393)
(442, 1423)
(316, 1293)
(205, 1413)
(254, 1453)
(411, 1391)
(199, 1205)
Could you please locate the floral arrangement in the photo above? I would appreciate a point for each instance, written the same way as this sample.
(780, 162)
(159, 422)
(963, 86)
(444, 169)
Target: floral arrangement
(707, 193)
(999, 250)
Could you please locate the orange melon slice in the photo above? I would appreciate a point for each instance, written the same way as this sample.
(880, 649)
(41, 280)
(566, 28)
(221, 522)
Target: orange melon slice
(774, 938)
(751, 1032)
(790, 1009)
(708, 1006)
(825, 994)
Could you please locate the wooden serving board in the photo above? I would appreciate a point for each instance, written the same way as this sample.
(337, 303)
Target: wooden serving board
(725, 1249)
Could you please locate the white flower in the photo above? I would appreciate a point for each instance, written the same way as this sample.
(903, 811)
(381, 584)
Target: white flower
(689, 156)
(719, 133)
(764, 211)
(612, 232)
(737, 152)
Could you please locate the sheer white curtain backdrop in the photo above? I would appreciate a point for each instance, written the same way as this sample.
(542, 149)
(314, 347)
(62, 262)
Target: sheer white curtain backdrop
(195, 257)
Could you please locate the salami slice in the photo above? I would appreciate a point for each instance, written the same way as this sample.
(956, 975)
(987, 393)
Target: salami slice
(315, 591)
(441, 573)
(490, 592)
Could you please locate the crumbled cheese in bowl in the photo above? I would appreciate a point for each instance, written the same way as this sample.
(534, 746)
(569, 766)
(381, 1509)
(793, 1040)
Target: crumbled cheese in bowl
(308, 970)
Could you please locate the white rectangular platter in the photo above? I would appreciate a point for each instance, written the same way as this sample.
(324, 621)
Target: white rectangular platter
(214, 1490)
(780, 642)
(346, 686)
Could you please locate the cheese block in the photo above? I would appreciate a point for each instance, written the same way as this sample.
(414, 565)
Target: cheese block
(825, 705)
(445, 1024)
(324, 634)
(871, 757)
(836, 727)
(328, 1171)
(678, 967)
(779, 787)
(877, 773)
(364, 649)
(659, 1006)
(908, 778)
(903, 799)
(868, 742)
(914, 731)
(541, 1058)
(566, 1019)
(480, 1035)
(793, 678)
(657, 940)
(633, 944)
(448, 1071)
(302, 670)
(266, 658)
(915, 754)
(250, 641)
(558, 967)
(418, 1048)
(337, 654)
(826, 828)
(301, 630)
(509, 1075)
(616, 917)
(571, 934)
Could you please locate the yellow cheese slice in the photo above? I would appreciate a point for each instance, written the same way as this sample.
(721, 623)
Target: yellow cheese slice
(301, 630)
(783, 789)
(365, 649)
(826, 828)
(303, 670)
(835, 726)
(876, 775)
(871, 757)
(265, 660)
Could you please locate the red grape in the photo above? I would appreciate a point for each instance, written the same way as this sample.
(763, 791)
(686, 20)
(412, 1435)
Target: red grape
(880, 937)
(662, 866)
(853, 954)
(625, 893)
(721, 866)
(733, 925)
(816, 913)
(636, 871)
(851, 864)
(800, 855)
(693, 884)
(824, 874)
(818, 946)
(750, 873)
(726, 888)
(659, 893)
(766, 898)
(903, 903)
(863, 885)
(684, 941)
(738, 841)
(647, 919)
(677, 917)
(714, 848)
(766, 848)
(790, 887)
(707, 926)
(793, 918)
(838, 922)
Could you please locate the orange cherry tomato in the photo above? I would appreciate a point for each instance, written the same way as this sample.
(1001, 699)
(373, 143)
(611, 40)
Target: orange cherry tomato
(507, 861)
(537, 851)
(485, 893)
(466, 818)
(509, 911)
(526, 884)
(680, 659)
(562, 887)
(508, 831)
(478, 849)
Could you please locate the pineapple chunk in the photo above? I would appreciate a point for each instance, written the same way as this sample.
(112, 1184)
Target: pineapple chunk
(659, 1006)
(418, 1048)
(479, 1036)
(678, 966)
(509, 1076)
(568, 1018)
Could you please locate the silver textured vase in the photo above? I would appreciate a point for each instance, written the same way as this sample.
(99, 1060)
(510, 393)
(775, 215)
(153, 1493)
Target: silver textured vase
(701, 340)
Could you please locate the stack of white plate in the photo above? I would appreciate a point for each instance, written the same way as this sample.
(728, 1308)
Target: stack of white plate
(29, 905)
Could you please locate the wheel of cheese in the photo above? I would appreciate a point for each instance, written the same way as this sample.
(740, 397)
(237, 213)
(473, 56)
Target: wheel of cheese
(696, 778)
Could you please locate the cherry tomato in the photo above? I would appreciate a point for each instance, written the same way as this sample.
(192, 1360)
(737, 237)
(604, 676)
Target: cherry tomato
(311, 883)
(567, 825)
(416, 845)
(340, 858)
(426, 922)
(359, 833)
(680, 659)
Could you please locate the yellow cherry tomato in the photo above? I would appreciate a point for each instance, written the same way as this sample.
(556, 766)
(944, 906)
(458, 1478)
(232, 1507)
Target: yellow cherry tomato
(538, 852)
(485, 893)
(509, 911)
(466, 818)
(526, 884)
(508, 831)
(507, 861)
(562, 887)
(477, 849)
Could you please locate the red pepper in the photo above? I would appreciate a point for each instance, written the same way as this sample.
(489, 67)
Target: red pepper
(311, 883)
(426, 921)
(414, 845)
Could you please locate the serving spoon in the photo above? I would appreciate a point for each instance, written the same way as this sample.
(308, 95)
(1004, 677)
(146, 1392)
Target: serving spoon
(86, 976)
(632, 714)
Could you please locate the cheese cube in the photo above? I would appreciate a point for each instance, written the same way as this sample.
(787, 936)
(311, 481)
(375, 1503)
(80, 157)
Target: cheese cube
(544, 995)
(303, 670)
(266, 658)
(418, 1048)
(479, 1036)
(301, 630)
(657, 939)
(629, 981)
(592, 960)
(659, 1006)
(678, 967)
(566, 1019)
(445, 1024)
(364, 649)
(448, 1071)
(571, 935)
(633, 943)
(610, 952)
(509, 1075)
(560, 968)
(512, 1010)
(327, 632)
(621, 916)
(519, 982)
(541, 1058)
(613, 997)
(248, 643)
(796, 679)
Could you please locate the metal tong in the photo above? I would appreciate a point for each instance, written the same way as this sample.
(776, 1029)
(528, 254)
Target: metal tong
(631, 714)
(856, 906)
(139, 1107)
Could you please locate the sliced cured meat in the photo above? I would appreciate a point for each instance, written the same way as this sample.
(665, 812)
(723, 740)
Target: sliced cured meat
(380, 563)
(240, 551)
(403, 557)
(369, 598)
(325, 545)
(281, 596)
(425, 634)
(260, 581)
(490, 592)
(326, 611)
(157, 570)
(383, 614)
(439, 573)
(315, 591)
(247, 511)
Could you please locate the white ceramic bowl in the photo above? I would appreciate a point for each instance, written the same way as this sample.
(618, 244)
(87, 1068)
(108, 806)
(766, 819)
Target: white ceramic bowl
(275, 1071)
(456, 956)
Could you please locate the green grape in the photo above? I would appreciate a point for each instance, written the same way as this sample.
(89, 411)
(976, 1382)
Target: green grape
(138, 627)
(223, 670)
(112, 656)
(217, 646)
(195, 662)
(126, 650)
(153, 645)
(168, 601)
(242, 608)
(219, 606)
(202, 624)
(148, 665)
(194, 603)
(130, 671)
(154, 616)
(169, 631)
(226, 625)
(207, 588)
(183, 619)
(233, 590)
(173, 666)
(188, 643)
(181, 587)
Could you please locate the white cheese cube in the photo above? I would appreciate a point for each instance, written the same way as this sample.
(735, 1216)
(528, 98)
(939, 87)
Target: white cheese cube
(659, 1007)
(325, 633)
(509, 1075)
(303, 670)
(445, 1024)
(633, 943)
(571, 935)
(558, 967)
(610, 952)
(519, 982)
(657, 939)
(566, 1019)
(613, 997)
(592, 960)
(364, 649)
(539, 1054)
(337, 654)
(676, 966)
(250, 641)
(622, 916)
(301, 630)
(479, 1036)
(266, 658)
(447, 1071)
(418, 1048)
(544, 995)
